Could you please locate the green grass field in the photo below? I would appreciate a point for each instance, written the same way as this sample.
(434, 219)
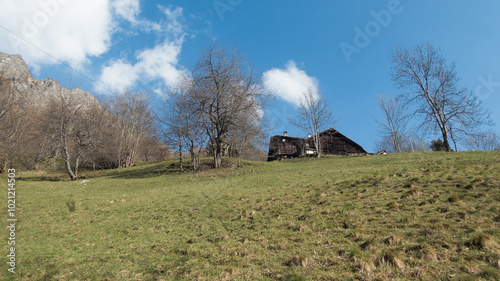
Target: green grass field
(412, 216)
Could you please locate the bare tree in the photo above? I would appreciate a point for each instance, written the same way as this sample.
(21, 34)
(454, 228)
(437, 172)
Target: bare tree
(181, 122)
(153, 150)
(394, 129)
(432, 87)
(7, 95)
(7, 103)
(313, 116)
(36, 145)
(15, 126)
(172, 122)
(225, 87)
(13, 120)
(132, 120)
(247, 135)
(87, 133)
(62, 115)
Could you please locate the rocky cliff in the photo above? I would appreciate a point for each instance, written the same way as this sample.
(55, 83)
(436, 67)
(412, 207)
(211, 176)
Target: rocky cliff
(14, 70)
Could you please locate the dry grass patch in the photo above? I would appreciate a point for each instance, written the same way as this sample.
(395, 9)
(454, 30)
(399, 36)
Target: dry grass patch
(298, 261)
(389, 257)
(485, 242)
(394, 240)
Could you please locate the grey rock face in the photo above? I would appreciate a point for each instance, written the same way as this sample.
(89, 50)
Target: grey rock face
(14, 69)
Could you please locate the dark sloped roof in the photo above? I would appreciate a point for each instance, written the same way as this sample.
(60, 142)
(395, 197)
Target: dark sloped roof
(337, 134)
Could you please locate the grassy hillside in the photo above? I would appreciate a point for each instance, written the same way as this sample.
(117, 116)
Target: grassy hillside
(429, 216)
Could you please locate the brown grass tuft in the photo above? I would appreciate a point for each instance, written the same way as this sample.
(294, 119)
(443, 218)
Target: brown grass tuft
(364, 265)
(389, 258)
(394, 240)
(416, 272)
(298, 261)
(429, 254)
(369, 244)
(485, 242)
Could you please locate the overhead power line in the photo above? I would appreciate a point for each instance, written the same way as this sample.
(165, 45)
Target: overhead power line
(56, 59)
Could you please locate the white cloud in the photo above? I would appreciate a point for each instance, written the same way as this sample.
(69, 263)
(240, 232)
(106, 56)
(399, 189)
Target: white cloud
(130, 10)
(127, 9)
(71, 31)
(173, 26)
(160, 62)
(118, 76)
(75, 31)
(289, 83)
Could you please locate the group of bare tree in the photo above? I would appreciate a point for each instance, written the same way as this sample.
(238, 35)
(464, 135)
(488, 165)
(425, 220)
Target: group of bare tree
(14, 122)
(217, 109)
(484, 141)
(432, 101)
(132, 122)
(75, 128)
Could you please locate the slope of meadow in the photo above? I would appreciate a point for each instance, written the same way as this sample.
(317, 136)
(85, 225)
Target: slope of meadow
(428, 216)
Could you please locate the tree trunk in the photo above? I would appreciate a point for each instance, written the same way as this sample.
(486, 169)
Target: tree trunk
(77, 162)
(180, 155)
(317, 144)
(3, 166)
(446, 142)
(217, 157)
(68, 164)
(193, 162)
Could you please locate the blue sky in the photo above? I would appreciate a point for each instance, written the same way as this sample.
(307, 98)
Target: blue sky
(108, 45)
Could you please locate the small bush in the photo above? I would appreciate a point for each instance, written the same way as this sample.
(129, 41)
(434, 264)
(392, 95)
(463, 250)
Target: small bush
(438, 145)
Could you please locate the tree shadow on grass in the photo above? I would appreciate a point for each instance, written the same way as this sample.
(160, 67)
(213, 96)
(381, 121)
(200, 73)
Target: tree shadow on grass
(146, 171)
(171, 168)
(42, 178)
(140, 171)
